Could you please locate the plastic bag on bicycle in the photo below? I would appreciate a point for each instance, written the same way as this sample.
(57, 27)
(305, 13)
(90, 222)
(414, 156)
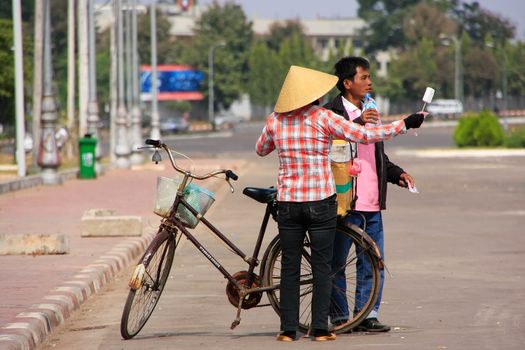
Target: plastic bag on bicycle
(199, 198)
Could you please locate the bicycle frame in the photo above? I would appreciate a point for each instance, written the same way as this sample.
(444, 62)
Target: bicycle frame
(252, 261)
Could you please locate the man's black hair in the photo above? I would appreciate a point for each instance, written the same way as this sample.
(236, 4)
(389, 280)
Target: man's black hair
(346, 68)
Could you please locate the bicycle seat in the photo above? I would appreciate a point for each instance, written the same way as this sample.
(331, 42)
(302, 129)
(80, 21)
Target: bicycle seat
(262, 195)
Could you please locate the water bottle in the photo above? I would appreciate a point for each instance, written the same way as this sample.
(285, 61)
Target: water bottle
(369, 102)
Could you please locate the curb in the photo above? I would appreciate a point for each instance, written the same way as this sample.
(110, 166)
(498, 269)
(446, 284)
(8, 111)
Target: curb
(461, 153)
(40, 320)
(34, 180)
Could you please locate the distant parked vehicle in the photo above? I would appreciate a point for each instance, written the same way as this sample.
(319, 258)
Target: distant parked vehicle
(226, 121)
(442, 108)
(173, 125)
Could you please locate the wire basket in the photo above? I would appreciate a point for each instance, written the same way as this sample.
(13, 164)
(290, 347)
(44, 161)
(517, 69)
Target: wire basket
(197, 197)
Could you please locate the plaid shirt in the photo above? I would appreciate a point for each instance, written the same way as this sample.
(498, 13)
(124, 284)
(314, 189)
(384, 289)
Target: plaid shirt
(303, 139)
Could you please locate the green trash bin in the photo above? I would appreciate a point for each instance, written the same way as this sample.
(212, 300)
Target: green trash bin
(86, 146)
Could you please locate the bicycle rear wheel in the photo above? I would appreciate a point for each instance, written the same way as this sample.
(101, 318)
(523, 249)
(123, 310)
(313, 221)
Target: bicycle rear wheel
(150, 278)
(347, 315)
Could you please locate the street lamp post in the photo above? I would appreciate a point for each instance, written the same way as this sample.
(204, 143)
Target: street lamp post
(19, 88)
(122, 146)
(504, 90)
(458, 73)
(136, 118)
(211, 112)
(155, 123)
(48, 158)
(93, 118)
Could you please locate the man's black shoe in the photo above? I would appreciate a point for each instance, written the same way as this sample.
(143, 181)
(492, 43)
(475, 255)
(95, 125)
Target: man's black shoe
(372, 325)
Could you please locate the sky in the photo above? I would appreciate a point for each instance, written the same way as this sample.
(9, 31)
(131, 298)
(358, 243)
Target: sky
(514, 10)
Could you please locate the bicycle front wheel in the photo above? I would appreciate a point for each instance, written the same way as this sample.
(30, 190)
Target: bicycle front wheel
(346, 309)
(151, 276)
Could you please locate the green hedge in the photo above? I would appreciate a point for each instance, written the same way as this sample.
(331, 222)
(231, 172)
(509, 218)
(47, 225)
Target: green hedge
(479, 130)
(516, 138)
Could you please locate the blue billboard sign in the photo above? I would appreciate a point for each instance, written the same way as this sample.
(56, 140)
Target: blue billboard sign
(175, 82)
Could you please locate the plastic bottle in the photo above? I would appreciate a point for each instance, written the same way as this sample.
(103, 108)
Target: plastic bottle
(369, 102)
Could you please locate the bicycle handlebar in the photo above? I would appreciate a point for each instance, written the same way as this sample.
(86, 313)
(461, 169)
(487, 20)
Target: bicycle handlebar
(158, 144)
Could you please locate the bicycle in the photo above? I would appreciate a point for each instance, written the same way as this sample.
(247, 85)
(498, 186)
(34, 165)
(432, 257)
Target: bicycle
(244, 288)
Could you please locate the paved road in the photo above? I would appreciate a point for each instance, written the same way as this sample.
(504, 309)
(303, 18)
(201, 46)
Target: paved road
(455, 252)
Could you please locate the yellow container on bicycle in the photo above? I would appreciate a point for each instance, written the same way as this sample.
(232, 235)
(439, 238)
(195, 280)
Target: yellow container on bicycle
(341, 155)
(197, 197)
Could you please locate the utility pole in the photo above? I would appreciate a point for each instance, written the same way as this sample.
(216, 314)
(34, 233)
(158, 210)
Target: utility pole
(458, 69)
(71, 77)
(92, 118)
(83, 67)
(37, 78)
(113, 87)
(155, 123)
(504, 88)
(122, 144)
(211, 92)
(19, 88)
(136, 119)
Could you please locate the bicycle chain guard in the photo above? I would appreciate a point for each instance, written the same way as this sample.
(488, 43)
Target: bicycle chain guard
(252, 299)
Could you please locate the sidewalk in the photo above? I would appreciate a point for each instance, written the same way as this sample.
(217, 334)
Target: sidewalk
(40, 292)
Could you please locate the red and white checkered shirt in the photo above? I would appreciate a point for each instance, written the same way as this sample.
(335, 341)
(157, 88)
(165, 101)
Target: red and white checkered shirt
(303, 139)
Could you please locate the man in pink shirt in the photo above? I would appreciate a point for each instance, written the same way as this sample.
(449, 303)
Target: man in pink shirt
(371, 184)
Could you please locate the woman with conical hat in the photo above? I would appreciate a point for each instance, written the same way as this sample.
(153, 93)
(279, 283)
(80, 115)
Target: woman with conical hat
(302, 132)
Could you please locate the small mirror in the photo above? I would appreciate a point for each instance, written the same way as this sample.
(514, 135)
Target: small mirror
(156, 157)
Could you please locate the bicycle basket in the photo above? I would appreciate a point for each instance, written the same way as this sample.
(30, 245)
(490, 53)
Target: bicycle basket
(199, 198)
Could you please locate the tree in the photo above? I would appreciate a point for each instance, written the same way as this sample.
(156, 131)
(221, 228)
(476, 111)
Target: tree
(227, 24)
(165, 41)
(262, 86)
(7, 78)
(412, 72)
(513, 57)
(480, 72)
(280, 31)
(414, 32)
(427, 22)
(272, 56)
(478, 23)
(385, 22)
(27, 7)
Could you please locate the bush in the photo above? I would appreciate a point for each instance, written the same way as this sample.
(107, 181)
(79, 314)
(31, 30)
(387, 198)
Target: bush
(481, 130)
(516, 138)
(463, 134)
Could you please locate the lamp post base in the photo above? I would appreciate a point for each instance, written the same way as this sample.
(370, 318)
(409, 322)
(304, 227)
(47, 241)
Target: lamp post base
(51, 177)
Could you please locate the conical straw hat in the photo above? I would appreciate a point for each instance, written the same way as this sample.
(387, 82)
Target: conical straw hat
(301, 87)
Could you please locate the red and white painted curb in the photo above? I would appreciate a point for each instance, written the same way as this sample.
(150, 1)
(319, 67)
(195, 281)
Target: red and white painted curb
(33, 325)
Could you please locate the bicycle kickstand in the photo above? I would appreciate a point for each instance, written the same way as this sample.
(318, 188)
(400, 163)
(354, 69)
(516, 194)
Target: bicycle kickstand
(237, 320)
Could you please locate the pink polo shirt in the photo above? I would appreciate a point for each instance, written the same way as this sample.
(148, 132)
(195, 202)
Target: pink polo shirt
(367, 182)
